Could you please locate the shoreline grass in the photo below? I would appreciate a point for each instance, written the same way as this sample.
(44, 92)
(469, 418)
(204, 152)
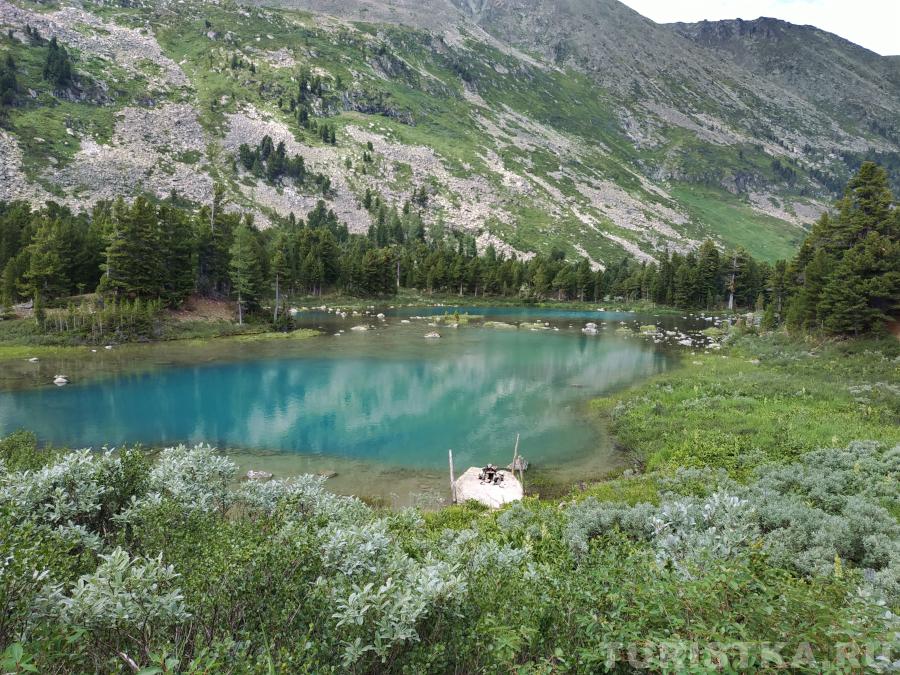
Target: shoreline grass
(409, 298)
(24, 345)
(765, 399)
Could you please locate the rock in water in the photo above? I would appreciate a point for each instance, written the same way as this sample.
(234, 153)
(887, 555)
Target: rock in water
(258, 475)
(60, 380)
(432, 335)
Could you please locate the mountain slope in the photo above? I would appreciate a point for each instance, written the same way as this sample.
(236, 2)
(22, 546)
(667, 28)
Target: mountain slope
(860, 86)
(530, 124)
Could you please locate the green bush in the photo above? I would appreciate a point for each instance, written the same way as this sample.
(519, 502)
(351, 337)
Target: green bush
(118, 563)
(19, 452)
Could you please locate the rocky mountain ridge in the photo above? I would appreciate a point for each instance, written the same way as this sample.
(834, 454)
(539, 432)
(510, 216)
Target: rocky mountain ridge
(526, 123)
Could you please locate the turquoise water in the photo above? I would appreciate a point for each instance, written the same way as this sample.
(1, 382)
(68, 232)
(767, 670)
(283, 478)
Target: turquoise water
(387, 395)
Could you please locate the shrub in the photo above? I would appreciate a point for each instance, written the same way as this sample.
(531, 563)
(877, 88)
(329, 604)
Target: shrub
(19, 452)
(196, 478)
(828, 508)
(115, 564)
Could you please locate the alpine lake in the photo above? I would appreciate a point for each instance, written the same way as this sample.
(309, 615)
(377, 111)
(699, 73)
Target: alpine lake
(376, 409)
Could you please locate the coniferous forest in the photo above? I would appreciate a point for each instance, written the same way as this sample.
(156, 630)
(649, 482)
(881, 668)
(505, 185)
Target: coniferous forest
(844, 280)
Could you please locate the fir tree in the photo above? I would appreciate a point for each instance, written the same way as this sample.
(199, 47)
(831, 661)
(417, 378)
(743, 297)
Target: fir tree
(133, 254)
(246, 270)
(58, 65)
(9, 84)
(46, 273)
(848, 268)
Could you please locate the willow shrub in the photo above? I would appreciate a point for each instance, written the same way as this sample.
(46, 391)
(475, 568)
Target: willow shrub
(111, 564)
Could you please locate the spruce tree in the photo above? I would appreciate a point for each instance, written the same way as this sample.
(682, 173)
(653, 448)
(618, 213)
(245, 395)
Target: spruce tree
(280, 268)
(46, 273)
(134, 255)
(9, 84)
(246, 269)
(847, 269)
(58, 65)
(864, 290)
(709, 271)
(177, 255)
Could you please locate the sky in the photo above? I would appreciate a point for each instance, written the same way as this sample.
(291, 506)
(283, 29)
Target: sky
(873, 24)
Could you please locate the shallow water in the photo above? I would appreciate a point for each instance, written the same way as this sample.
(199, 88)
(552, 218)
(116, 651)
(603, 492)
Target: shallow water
(367, 404)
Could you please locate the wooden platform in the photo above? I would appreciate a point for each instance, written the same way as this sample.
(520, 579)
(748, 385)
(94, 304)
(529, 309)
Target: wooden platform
(469, 487)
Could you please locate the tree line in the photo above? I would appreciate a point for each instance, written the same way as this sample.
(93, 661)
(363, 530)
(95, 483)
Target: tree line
(844, 279)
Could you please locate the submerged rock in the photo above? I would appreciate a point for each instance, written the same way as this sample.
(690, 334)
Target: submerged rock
(60, 380)
(433, 335)
(258, 475)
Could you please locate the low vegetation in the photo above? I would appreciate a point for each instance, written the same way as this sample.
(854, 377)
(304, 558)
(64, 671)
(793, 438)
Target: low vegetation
(119, 562)
(767, 399)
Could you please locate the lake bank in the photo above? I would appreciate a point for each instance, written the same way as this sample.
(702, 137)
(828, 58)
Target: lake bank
(204, 319)
(767, 398)
(380, 407)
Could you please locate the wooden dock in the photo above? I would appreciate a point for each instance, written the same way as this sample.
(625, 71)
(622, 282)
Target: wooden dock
(468, 486)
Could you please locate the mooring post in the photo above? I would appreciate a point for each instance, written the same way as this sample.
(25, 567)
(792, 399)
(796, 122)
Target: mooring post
(521, 466)
(452, 478)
